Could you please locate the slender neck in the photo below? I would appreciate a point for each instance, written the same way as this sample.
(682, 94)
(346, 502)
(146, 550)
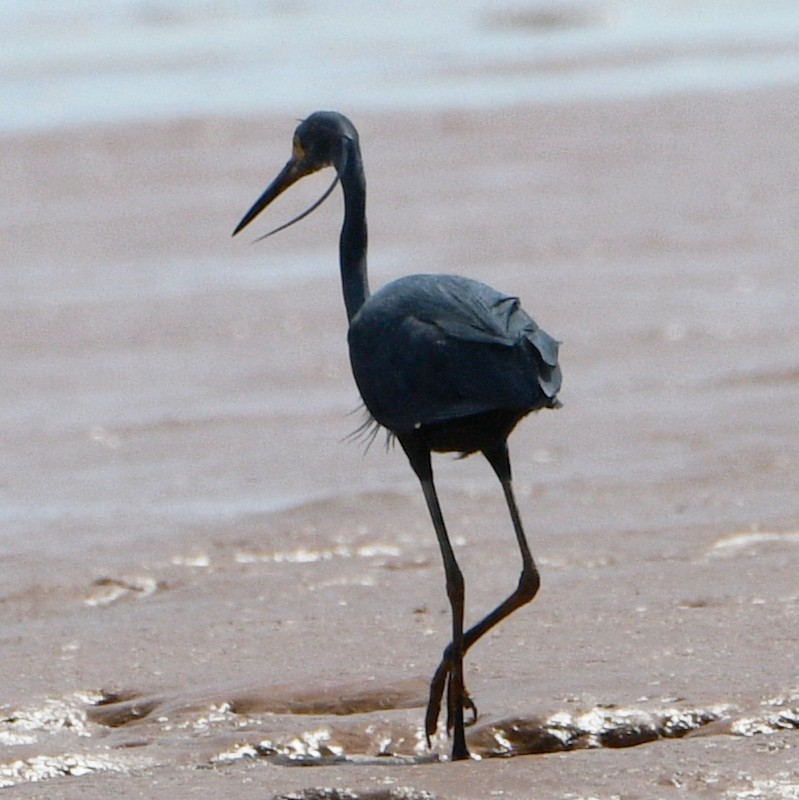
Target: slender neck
(352, 243)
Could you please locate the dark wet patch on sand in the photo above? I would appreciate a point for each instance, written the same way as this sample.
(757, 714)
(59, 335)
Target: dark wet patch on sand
(119, 708)
(621, 727)
(123, 730)
(107, 590)
(329, 793)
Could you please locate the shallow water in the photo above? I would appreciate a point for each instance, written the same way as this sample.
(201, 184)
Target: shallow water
(85, 62)
(84, 734)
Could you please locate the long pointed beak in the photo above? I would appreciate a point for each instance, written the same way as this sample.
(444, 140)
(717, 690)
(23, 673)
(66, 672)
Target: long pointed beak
(289, 175)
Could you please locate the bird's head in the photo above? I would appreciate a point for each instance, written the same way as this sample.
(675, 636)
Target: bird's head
(322, 140)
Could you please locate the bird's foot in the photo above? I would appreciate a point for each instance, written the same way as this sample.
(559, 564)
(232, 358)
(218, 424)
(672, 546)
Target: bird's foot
(434, 702)
(437, 685)
(466, 703)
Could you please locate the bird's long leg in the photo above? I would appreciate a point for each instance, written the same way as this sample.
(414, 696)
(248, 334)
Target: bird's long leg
(527, 588)
(419, 457)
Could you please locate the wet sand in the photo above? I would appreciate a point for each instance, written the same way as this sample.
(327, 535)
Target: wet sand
(202, 584)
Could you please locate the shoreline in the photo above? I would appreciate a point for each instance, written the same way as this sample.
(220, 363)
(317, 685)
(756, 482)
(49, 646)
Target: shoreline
(656, 239)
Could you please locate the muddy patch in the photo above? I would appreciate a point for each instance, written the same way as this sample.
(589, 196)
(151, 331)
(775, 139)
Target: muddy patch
(122, 731)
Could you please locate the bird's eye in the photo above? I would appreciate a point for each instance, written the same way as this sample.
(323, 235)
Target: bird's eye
(298, 151)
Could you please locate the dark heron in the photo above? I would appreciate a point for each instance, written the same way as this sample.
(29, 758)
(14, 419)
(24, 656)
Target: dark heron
(445, 364)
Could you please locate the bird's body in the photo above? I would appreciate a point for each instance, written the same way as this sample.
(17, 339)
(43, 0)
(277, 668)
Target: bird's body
(444, 363)
(428, 351)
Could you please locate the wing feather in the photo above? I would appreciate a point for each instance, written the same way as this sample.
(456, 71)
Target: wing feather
(430, 348)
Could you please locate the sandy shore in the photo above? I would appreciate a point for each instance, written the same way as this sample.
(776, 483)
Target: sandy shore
(200, 578)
